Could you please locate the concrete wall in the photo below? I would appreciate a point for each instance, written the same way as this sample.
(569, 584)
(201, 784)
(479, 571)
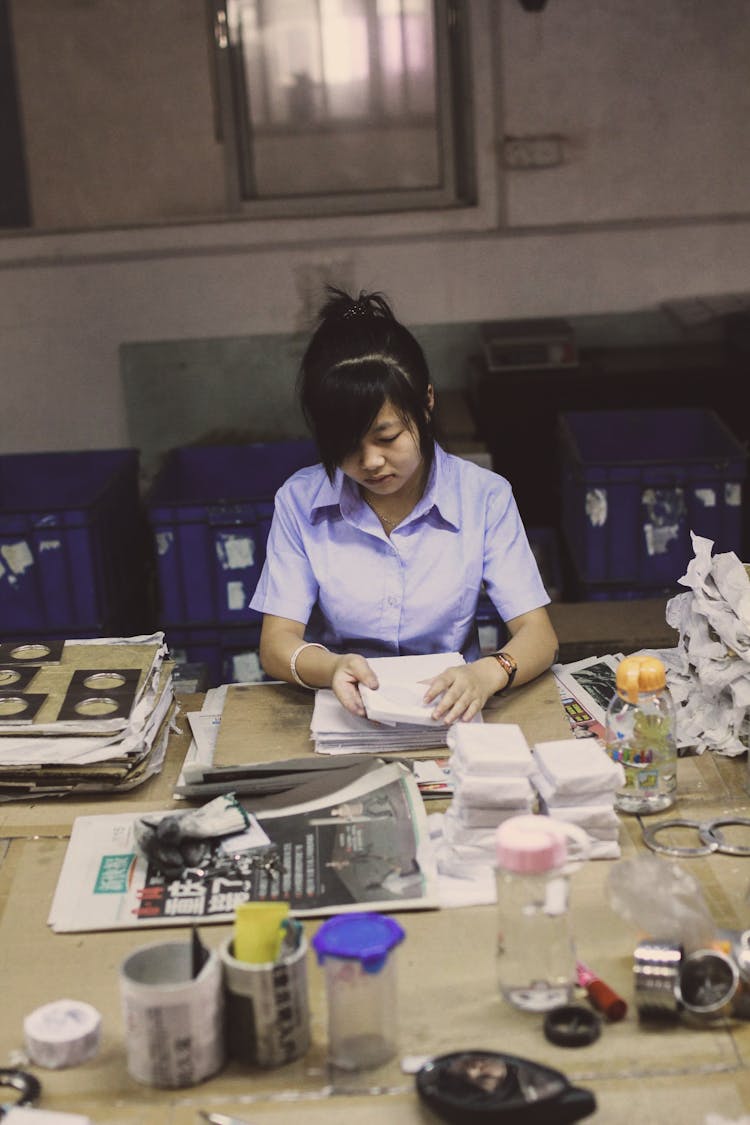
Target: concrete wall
(651, 201)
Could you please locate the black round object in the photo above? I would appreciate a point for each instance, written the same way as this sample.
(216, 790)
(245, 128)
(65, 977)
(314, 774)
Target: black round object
(572, 1025)
(28, 1087)
(482, 1086)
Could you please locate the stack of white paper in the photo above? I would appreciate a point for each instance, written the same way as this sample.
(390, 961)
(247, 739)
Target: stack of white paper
(490, 770)
(397, 718)
(576, 781)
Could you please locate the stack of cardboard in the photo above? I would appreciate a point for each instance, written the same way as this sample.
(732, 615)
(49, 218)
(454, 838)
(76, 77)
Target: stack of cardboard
(83, 715)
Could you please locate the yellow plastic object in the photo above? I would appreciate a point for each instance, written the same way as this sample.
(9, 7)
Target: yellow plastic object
(258, 931)
(639, 673)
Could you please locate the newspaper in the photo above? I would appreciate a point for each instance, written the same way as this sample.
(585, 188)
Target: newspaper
(366, 844)
(586, 687)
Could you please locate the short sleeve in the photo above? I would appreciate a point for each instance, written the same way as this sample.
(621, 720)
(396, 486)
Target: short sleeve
(287, 586)
(510, 571)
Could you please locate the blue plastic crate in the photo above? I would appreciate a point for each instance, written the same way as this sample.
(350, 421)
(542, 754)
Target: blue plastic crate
(75, 546)
(210, 509)
(635, 483)
(230, 655)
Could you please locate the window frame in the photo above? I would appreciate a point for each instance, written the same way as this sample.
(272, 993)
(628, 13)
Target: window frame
(470, 183)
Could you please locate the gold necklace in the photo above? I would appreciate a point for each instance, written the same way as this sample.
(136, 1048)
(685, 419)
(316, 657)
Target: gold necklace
(385, 519)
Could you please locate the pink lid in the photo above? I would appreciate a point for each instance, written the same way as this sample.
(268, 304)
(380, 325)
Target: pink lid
(526, 844)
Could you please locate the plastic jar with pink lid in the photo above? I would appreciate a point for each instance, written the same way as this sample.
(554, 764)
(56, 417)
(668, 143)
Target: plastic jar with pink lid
(536, 960)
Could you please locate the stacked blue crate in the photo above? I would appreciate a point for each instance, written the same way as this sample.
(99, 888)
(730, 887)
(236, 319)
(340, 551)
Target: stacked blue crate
(75, 547)
(210, 508)
(635, 483)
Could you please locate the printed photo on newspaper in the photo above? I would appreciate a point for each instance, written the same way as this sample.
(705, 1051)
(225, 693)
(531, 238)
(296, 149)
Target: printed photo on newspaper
(365, 846)
(586, 687)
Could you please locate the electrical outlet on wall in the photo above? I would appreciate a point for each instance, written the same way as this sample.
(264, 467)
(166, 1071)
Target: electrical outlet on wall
(541, 151)
(310, 283)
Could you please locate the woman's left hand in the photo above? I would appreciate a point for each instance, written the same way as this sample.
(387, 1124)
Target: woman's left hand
(462, 691)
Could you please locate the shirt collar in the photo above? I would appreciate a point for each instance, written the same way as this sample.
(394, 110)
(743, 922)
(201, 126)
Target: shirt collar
(439, 494)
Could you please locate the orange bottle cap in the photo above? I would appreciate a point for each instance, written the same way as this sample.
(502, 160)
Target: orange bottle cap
(639, 673)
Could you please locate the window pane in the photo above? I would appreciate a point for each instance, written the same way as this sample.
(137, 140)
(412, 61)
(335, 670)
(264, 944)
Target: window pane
(338, 96)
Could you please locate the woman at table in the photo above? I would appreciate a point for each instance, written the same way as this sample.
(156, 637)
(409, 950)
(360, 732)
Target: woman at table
(383, 549)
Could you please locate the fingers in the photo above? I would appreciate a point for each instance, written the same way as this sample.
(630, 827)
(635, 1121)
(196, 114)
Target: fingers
(350, 698)
(350, 671)
(464, 708)
(458, 695)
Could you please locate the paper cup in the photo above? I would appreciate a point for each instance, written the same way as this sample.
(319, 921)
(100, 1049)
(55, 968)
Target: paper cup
(174, 1022)
(267, 1007)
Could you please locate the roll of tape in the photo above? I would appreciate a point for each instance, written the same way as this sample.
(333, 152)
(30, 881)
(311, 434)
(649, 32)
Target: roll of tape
(62, 1033)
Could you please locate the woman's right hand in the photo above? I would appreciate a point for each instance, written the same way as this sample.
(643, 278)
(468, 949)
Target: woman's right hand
(349, 671)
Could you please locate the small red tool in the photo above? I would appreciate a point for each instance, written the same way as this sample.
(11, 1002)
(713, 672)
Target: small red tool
(602, 997)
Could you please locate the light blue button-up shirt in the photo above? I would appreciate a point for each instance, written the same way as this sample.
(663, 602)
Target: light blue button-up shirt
(330, 565)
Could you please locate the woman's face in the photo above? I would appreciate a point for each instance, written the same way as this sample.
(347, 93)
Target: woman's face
(388, 458)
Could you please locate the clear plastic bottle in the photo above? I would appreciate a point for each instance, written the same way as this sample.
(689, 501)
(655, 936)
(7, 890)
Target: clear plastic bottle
(536, 962)
(640, 735)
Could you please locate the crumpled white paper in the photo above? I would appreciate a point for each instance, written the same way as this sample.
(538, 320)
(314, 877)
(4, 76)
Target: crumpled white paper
(708, 672)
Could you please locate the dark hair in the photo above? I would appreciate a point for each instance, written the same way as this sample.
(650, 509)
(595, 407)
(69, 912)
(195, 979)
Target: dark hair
(359, 356)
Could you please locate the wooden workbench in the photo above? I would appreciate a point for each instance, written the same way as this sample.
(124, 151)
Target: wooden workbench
(446, 979)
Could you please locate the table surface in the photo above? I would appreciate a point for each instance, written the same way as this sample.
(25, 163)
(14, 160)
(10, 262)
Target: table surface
(447, 996)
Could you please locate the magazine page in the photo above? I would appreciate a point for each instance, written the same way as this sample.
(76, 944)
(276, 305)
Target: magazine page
(586, 688)
(366, 845)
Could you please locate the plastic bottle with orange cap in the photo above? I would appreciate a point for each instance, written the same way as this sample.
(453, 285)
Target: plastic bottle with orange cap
(640, 734)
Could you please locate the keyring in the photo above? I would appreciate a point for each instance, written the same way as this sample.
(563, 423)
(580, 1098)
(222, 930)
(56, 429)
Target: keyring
(705, 848)
(29, 1087)
(572, 1025)
(711, 833)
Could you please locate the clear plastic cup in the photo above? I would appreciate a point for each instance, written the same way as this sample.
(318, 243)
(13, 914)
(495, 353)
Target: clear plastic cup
(357, 952)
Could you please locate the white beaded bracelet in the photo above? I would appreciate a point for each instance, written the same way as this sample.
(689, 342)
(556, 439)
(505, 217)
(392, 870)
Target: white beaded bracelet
(293, 662)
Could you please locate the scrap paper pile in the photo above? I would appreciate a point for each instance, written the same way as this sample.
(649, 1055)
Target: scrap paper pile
(83, 715)
(490, 770)
(397, 719)
(576, 781)
(708, 672)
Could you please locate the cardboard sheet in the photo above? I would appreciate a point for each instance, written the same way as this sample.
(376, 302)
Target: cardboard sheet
(270, 722)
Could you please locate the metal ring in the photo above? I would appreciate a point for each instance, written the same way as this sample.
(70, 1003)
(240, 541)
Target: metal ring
(711, 833)
(104, 681)
(705, 848)
(96, 706)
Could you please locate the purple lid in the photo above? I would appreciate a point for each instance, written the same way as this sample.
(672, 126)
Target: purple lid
(367, 938)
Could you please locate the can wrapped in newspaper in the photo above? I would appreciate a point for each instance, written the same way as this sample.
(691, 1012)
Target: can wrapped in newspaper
(174, 1020)
(267, 1006)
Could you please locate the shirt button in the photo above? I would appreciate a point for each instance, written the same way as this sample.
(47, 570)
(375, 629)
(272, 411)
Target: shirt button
(392, 601)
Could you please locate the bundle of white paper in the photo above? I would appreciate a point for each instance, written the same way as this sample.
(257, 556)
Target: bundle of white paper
(576, 771)
(490, 771)
(397, 718)
(576, 781)
(494, 750)
(708, 672)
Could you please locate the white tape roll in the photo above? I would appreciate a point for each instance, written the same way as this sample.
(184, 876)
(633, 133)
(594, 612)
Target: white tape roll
(63, 1033)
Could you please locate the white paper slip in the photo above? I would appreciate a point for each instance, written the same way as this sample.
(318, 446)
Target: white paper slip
(574, 765)
(399, 702)
(493, 748)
